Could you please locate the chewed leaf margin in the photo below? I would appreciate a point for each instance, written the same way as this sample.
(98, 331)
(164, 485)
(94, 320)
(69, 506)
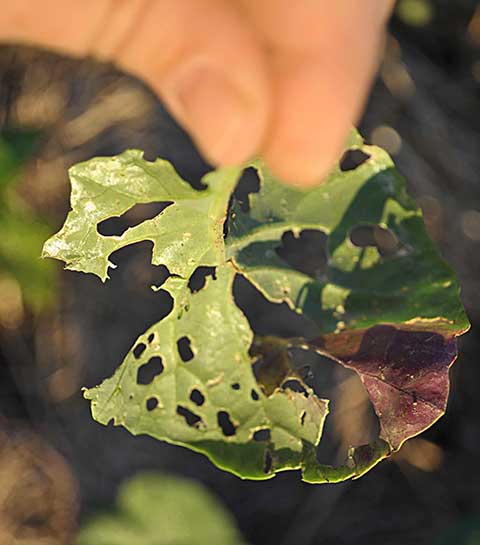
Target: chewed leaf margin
(390, 315)
(404, 370)
(360, 287)
(230, 408)
(185, 235)
(292, 422)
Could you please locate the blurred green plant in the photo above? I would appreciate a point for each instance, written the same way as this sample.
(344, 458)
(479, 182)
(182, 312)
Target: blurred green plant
(464, 532)
(417, 13)
(25, 279)
(159, 509)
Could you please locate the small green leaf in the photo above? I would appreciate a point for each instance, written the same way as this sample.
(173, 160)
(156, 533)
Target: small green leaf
(156, 509)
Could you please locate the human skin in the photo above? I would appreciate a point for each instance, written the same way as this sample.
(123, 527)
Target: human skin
(282, 79)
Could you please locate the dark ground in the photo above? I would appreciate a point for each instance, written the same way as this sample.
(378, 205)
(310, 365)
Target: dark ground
(429, 93)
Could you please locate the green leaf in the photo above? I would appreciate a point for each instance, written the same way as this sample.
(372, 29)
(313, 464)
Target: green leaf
(385, 304)
(212, 402)
(411, 291)
(359, 287)
(185, 235)
(157, 509)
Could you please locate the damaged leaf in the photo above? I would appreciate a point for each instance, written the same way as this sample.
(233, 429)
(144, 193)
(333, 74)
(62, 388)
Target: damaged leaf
(229, 407)
(185, 235)
(404, 370)
(352, 255)
(395, 277)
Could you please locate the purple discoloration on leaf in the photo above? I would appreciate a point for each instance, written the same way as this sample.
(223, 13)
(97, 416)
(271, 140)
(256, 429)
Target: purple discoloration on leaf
(405, 372)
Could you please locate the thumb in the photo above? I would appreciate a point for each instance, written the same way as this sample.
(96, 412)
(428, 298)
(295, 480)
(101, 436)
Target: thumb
(198, 55)
(205, 64)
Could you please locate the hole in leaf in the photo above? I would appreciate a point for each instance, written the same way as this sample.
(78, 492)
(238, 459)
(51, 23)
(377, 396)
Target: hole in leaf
(352, 419)
(272, 365)
(150, 338)
(295, 386)
(189, 165)
(317, 371)
(164, 302)
(148, 371)
(199, 277)
(254, 395)
(184, 349)
(236, 386)
(267, 466)
(135, 269)
(381, 238)
(139, 350)
(197, 397)
(352, 159)
(305, 372)
(362, 236)
(249, 183)
(303, 414)
(262, 435)
(150, 155)
(306, 253)
(134, 216)
(152, 403)
(223, 418)
(386, 241)
(267, 318)
(191, 418)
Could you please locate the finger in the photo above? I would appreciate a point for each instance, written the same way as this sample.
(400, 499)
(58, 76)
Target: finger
(199, 55)
(297, 26)
(56, 24)
(204, 62)
(320, 81)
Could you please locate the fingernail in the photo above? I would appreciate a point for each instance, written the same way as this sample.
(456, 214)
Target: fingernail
(213, 109)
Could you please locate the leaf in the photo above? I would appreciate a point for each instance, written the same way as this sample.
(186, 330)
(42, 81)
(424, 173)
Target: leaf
(352, 255)
(212, 402)
(360, 287)
(404, 362)
(157, 509)
(185, 235)
(404, 370)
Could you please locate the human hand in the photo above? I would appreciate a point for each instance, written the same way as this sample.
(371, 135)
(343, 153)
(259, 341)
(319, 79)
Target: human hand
(278, 78)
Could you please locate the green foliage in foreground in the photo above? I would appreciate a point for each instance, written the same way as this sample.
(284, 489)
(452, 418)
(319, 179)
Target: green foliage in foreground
(156, 509)
(385, 304)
